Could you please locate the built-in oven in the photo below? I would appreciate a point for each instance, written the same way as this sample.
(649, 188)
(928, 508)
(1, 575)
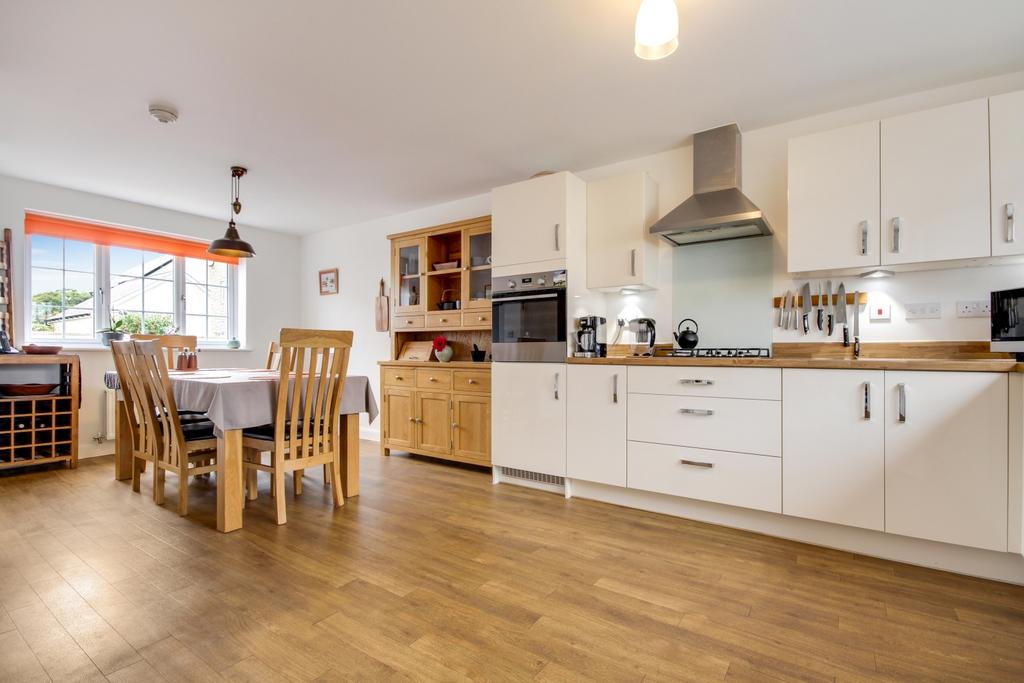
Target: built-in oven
(1007, 314)
(528, 320)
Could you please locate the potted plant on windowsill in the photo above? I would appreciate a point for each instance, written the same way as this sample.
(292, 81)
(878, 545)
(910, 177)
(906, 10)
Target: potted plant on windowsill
(113, 333)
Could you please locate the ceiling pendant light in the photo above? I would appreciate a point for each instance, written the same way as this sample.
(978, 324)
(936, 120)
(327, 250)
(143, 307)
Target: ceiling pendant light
(657, 29)
(231, 244)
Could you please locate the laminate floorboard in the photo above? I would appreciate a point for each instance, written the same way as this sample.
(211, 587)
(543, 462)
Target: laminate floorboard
(433, 574)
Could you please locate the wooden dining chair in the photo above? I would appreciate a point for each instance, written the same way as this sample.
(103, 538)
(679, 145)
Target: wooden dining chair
(173, 344)
(307, 419)
(273, 356)
(187, 449)
(130, 381)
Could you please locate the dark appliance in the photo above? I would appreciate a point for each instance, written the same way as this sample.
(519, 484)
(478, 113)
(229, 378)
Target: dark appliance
(528, 317)
(590, 337)
(1007, 313)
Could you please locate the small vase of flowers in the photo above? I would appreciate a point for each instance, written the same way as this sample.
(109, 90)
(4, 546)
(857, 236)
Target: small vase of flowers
(442, 351)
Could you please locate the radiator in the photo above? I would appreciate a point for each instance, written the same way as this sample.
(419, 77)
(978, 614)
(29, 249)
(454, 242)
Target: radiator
(110, 413)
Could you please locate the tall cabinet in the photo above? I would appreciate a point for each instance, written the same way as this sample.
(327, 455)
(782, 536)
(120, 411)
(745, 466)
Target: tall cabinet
(1006, 140)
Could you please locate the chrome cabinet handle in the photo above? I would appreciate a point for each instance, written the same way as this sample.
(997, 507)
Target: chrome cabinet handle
(701, 382)
(897, 224)
(557, 247)
(632, 262)
(697, 463)
(557, 374)
(902, 409)
(1011, 231)
(615, 388)
(863, 238)
(867, 400)
(696, 411)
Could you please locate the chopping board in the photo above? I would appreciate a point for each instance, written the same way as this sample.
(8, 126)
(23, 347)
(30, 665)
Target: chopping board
(380, 310)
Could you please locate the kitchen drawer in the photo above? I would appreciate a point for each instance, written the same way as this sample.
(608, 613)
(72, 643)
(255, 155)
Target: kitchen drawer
(476, 318)
(399, 377)
(727, 424)
(444, 319)
(472, 380)
(407, 322)
(741, 479)
(437, 380)
(695, 380)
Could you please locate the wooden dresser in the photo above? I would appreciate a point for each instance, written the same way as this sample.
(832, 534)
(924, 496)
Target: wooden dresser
(430, 408)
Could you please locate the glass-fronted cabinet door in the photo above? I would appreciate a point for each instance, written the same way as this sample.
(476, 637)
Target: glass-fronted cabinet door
(476, 272)
(408, 275)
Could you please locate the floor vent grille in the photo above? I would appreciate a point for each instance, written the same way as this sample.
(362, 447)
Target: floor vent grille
(533, 476)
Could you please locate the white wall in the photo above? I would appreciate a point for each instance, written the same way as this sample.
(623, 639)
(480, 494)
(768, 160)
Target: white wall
(272, 280)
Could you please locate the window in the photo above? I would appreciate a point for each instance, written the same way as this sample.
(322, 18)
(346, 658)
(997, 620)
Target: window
(79, 286)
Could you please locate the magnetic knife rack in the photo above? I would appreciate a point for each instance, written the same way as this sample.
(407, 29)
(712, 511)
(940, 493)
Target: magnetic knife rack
(799, 300)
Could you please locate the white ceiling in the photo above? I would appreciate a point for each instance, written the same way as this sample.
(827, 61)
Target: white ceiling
(346, 111)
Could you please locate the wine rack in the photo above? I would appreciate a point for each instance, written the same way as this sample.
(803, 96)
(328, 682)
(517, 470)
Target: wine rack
(36, 430)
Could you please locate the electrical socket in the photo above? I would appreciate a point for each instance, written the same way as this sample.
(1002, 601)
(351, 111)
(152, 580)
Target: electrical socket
(929, 310)
(973, 309)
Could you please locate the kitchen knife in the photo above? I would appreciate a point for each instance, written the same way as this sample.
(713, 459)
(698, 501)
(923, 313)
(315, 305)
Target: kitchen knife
(841, 313)
(856, 324)
(805, 305)
(821, 309)
(782, 310)
(831, 308)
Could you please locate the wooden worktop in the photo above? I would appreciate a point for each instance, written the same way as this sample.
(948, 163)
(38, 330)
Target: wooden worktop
(458, 364)
(997, 365)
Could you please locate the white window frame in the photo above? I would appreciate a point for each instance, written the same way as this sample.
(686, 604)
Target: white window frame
(101, 307)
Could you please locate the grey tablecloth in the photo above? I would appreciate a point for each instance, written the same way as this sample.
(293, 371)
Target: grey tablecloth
(240, 399)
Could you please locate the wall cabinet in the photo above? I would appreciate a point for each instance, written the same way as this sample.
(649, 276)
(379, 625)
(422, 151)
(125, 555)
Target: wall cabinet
(596, 420)
(620, 250)
(1006, 139)
(834, 199)
(532, 219)
(935, 190)
(946, 457)
(833, 442)
(529, 416)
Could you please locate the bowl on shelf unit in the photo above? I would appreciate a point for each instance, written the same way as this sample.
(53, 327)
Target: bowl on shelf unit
(27, 389)
(447, 265)
(41, 350)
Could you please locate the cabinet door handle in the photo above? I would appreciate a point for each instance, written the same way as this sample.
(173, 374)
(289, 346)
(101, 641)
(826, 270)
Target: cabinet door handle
(557, 247)
(1011, 231)
(455, 425)
(412, 419)
(897, 224)
(701, 382)
(615, 388)
(697, 463)
(867, 400)
(557, 375)
(632, 262)
(863, 238)
(696, 411)
(902, 406)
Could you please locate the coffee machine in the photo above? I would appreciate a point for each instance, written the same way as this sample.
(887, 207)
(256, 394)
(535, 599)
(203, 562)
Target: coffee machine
(590, 337)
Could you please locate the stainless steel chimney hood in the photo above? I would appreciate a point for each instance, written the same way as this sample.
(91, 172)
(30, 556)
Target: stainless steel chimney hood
(717, 210)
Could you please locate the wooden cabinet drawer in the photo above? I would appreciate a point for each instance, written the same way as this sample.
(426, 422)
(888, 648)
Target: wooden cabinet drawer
(476, 318)
(750, 481)
(398, 377)
(472, 380)
(408, 322)
(695, 380)
(726, 424)
(435, 379)
(444, 319)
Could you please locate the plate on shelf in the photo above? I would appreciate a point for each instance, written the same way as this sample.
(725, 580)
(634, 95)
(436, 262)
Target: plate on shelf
(26, 389)
(38, 350)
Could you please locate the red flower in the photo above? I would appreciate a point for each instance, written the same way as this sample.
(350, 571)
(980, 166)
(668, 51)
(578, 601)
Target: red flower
(440, 342)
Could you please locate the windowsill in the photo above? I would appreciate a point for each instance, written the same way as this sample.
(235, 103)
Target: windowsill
(100, 347)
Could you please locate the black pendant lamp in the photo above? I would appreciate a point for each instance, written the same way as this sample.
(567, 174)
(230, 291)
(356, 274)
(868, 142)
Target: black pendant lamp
(231, 244)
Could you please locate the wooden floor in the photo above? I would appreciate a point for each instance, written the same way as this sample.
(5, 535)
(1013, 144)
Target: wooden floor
(435, 574)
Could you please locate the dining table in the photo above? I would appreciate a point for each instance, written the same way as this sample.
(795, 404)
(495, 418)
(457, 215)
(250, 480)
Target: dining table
(236, 399)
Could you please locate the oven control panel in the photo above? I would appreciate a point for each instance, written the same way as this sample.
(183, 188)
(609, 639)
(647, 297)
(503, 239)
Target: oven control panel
(529, 282)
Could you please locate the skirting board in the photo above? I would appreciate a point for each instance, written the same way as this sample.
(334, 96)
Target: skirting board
(1007, 567)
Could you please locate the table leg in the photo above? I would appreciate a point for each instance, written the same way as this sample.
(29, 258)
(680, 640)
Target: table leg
(349, 456)
(230, 498)
(122, 444)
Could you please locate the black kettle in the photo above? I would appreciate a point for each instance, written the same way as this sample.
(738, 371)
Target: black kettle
(687, 339)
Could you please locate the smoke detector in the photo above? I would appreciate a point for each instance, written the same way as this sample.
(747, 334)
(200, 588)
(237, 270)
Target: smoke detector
(163, 113)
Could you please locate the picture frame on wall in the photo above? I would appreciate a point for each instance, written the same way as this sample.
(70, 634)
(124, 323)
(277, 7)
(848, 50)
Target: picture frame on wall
(328, 281)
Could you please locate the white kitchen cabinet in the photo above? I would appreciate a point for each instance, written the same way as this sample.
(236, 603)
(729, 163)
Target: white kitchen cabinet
(946, 457)
(597, 424)
(833, 443)
(935, 184)
(1006, 139)
(531, 220)
(834, 199)
(621, 252)
(702, 380)
(528, 412)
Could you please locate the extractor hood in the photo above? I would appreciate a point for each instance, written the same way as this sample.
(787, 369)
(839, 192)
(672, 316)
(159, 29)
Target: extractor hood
(718, 210)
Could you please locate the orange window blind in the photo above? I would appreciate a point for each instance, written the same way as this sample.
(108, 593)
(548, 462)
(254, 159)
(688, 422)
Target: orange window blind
(54, 226)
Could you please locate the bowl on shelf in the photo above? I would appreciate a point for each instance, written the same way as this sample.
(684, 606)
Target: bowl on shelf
(447, 265)
(39, 350)
(27, 389)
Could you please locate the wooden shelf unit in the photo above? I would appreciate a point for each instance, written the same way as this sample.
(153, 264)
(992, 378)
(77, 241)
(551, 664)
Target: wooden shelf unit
(36, 430)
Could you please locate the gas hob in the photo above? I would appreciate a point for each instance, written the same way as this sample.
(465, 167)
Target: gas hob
(715, 352)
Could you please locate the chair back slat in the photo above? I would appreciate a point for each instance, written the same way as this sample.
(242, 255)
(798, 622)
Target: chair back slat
(124, 364)
(166, 425)
(173, 344)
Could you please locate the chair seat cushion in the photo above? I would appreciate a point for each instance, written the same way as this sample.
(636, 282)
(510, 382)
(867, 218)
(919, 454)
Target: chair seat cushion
(266, 432)
(197, 430)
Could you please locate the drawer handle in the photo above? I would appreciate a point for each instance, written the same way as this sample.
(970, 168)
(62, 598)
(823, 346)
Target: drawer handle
(696, 411)
(431, 379)
(481, 318)
(700, 382)
(399, 378)
(408, 322)
(471, 381)
(697, 463)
